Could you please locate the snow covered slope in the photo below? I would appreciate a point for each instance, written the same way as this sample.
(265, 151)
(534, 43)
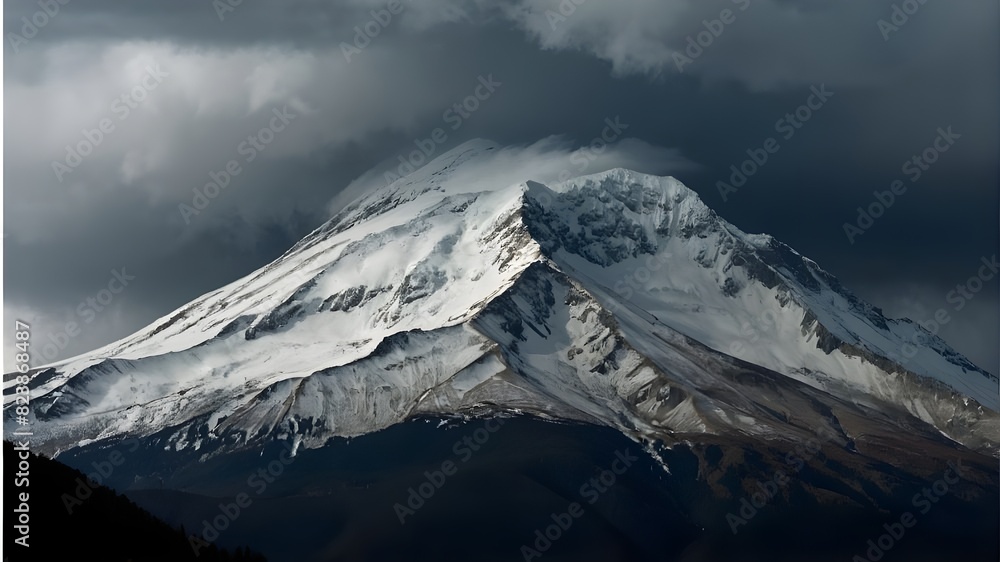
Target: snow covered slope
(616, 298)
(652, 242)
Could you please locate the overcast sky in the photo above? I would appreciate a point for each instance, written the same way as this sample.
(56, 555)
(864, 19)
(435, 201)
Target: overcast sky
(178, 86)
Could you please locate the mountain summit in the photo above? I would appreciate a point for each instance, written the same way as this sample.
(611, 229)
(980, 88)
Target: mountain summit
(618, 299)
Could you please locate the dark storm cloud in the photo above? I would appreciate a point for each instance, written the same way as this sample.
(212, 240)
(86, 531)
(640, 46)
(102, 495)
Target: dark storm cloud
(561, 74)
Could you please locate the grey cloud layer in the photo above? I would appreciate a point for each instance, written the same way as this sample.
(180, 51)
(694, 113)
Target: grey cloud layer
(119, 206)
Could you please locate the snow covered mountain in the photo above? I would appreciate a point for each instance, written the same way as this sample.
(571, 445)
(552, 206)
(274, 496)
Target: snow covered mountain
(616, 298)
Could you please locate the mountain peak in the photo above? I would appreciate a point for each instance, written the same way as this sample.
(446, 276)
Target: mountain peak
(616, 297)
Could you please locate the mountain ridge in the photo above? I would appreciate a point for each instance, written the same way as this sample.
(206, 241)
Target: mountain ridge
(409, 271)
